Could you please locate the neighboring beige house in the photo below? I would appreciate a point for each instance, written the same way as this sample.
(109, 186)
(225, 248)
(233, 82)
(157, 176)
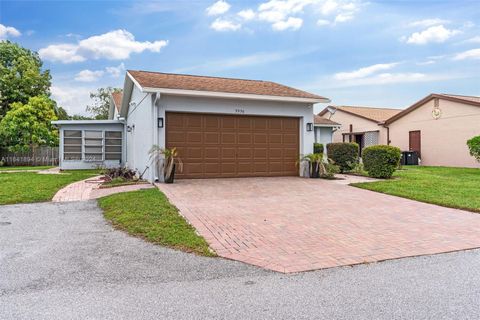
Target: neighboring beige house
(363, 125)
(438, 127)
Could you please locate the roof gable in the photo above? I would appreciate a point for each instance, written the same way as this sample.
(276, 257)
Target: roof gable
(117, 99)
(319, 120)
(470, 100)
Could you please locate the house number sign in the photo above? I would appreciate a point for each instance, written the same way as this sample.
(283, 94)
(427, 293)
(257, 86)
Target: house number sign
(242, 111)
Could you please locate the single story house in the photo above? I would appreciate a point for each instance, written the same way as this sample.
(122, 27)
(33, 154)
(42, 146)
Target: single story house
(437, 128)
(363, 125)
(221, 127)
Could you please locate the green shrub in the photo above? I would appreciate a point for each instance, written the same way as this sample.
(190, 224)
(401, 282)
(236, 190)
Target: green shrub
(343, 154)
(474, 146)
(381, 161)
(317, 148)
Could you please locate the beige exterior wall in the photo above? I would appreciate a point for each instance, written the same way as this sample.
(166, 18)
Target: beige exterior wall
(359, 125)
(443, 141)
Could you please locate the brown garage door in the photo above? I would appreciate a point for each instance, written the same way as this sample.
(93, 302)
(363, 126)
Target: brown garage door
(217, 146)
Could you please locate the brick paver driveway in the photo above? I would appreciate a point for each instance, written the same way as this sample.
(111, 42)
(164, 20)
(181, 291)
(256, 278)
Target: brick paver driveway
(293, 224)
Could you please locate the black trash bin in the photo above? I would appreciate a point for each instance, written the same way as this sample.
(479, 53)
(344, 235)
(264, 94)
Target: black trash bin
(409, 158)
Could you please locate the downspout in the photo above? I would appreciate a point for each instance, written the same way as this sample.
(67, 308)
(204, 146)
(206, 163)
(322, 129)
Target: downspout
(155, 133)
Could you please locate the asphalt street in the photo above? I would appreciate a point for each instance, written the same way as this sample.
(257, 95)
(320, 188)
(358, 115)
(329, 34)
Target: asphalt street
(64, 261)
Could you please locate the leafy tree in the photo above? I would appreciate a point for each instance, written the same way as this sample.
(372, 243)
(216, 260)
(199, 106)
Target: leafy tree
(79, 117)
(61, 113)
(28, 125)
(21, 76)
(101, 102)
(474, 147)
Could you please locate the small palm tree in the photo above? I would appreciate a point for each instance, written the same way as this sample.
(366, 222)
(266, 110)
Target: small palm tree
(167, 158)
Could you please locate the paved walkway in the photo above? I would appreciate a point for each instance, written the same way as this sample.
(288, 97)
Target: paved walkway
(293, 224)
(89, 189)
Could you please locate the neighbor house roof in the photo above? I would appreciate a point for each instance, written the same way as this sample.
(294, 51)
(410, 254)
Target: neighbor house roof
(319, 120)
(159, 80)
(471, 100)
(375, 114)
(117, 99)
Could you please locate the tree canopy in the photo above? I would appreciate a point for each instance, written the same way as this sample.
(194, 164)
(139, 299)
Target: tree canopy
(101, 102)
(28, 125)
(21, 76)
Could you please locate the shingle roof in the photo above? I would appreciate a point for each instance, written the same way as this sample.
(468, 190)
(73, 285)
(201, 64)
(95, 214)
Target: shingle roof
(217, 84)
(324, 121)
(371, 113)
(117, 99)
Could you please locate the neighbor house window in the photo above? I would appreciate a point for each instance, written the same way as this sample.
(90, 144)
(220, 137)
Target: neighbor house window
(93, 145)
(72, 145)
(113, 145)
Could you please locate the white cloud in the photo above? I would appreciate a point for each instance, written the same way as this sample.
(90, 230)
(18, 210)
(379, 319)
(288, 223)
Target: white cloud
(88, 75)
(436, 34)
(323, 22)
(92, 76)
(469, 54)
(290, 23)
(6, 32)
(290, 14)
(473, 40)
(219, 7)
(74, 99)
(113, 45)
(343, 17)
(224, 25)
(364, 72)
(427, 22)
(116, 71)
(247, 15)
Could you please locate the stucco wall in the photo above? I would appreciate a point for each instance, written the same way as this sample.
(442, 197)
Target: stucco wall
(240, 107)
(140, 139)
(324, 135)
(443, 141)
(359, 125)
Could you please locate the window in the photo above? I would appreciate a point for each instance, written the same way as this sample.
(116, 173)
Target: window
(113, 145)
(93, 145)
(72, 145)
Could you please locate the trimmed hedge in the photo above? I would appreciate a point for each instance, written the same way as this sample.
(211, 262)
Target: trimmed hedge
(317, 148)
(381, 161)
(343, 154)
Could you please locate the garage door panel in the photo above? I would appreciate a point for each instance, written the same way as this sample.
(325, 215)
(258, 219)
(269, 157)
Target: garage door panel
(245, 138)
(233, 145)
(290, 139)
(194, 137)
(244, 153)
(229, 138)
(211, 137)
(228, 153)
(275, 138)
(212, 153)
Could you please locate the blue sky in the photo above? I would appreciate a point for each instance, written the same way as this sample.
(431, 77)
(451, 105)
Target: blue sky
(375, 53)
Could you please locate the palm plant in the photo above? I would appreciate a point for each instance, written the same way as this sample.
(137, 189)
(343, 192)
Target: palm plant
(316, 165)
(167, 158)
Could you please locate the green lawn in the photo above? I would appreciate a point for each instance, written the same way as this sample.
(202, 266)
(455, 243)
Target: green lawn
(25, 187)
(148, 214)
(25, 168)
(449, 187)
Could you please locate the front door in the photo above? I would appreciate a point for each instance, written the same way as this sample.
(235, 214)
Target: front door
(415, 142)
(359, 141)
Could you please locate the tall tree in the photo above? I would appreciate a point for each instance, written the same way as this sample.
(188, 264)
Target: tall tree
(28, 125)
(21, 76)
(101, 102)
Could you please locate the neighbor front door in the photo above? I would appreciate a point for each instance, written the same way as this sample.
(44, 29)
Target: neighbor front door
(415, 142)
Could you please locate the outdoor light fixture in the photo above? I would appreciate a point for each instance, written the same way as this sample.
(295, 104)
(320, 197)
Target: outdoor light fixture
(160, 122)
(309, 126)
